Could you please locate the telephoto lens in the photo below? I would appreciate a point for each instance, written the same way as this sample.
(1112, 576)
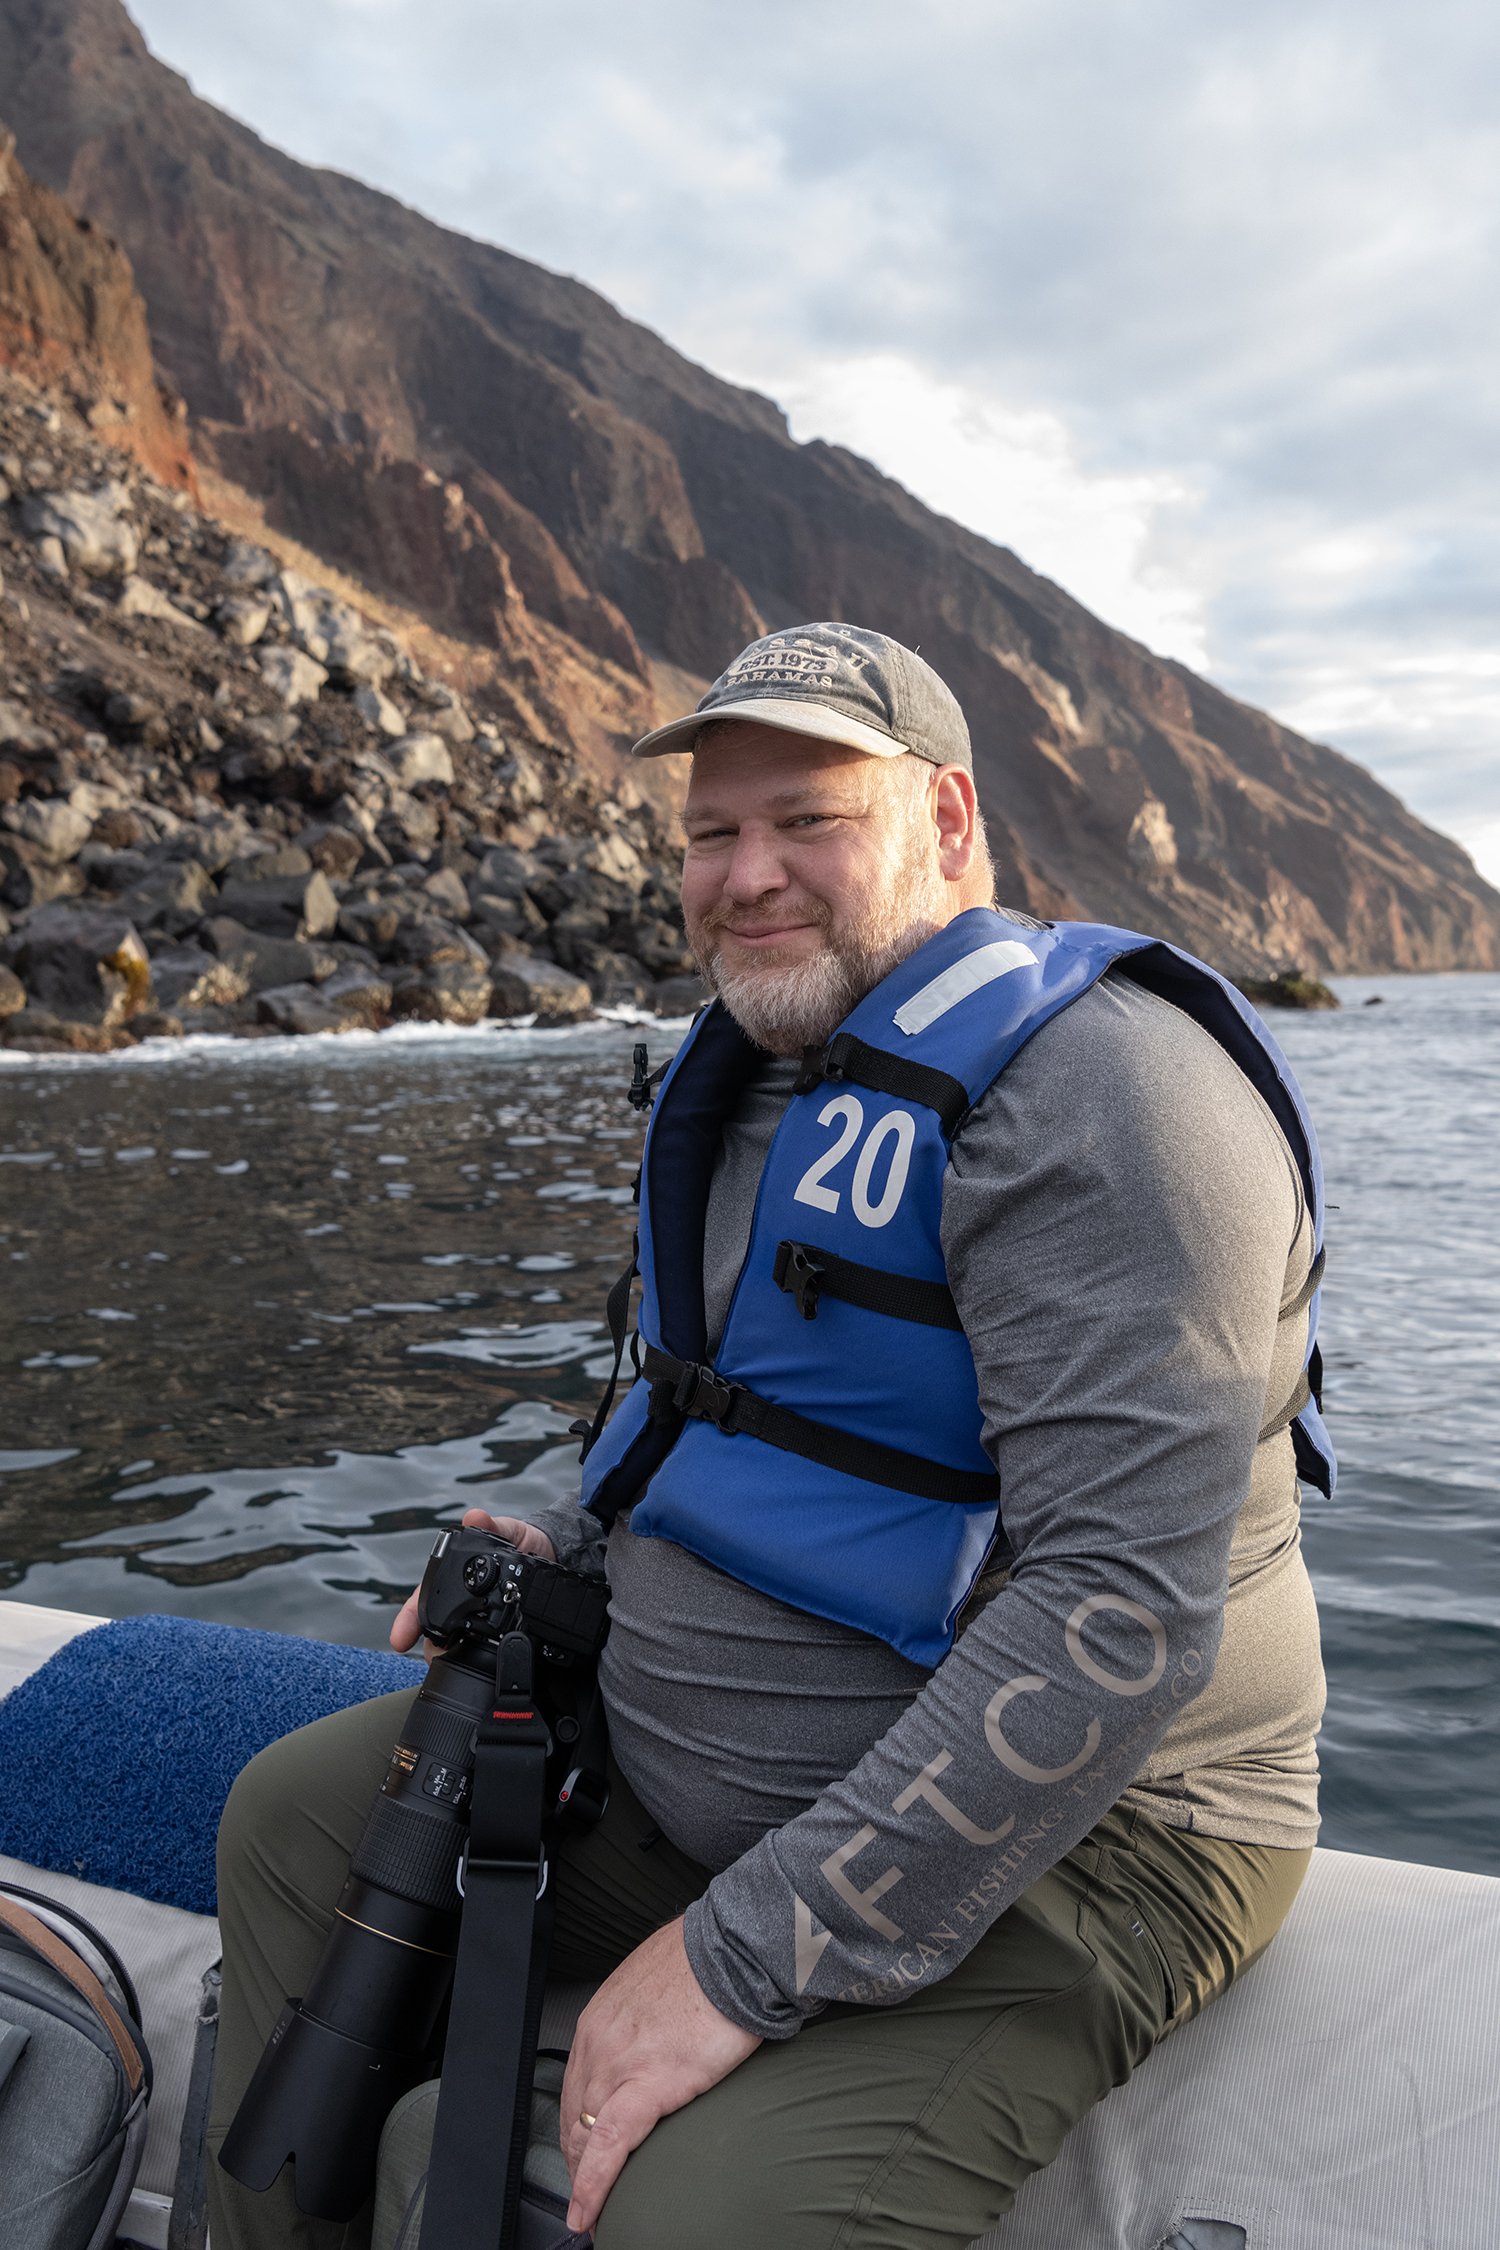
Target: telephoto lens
(366, 2028)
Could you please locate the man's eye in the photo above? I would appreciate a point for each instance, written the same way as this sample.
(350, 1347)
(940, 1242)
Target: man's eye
(812, 820)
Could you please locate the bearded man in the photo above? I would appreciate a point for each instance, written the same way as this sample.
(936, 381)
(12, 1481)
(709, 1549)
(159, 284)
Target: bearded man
(963, 1673)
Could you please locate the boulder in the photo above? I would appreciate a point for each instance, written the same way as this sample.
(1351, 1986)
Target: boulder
(38, 1032)
(242, 619)
(58, 829)
(85, 964)
(285, 906)
(357, 659)
(445, 887)
(130, 714)
(139, 598)
(262, 860)
(185, 976)
(1289, 988)
(518, 779)
(663, 949)
(618, 982)
(378, 711)
(215, 841)
(336, 851)
(299, 1008)
(445, 991)
(507, 873)
(292, 675)
(155, 1023)
(275, 730)
(522, 985)
(12, 993)
(408, 828)
(679, 996)
(89, 527)
(576, 935)
(173, 897)
(371, 921)
(245, 564)
(267, 961)
(421, 757)
(29, 878)
(506, 922)
(117, 829)
(359, 993)
(19, 730)
(614, 855)
(554, 893)
(424, 937)
(452, 722)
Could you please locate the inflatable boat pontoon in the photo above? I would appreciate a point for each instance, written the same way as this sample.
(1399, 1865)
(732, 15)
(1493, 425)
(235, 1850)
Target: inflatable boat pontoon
(1344, 2096)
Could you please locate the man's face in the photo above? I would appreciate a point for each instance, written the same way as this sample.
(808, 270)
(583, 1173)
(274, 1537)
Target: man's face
(810, 872)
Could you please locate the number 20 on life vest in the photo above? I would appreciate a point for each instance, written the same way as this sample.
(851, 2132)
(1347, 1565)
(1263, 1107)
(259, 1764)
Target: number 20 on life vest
(888, 1143)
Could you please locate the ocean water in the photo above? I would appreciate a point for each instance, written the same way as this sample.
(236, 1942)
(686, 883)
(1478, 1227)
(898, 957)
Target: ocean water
(275, 1310)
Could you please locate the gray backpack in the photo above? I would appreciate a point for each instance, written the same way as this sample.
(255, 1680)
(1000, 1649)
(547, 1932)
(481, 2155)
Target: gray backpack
(75, 2078)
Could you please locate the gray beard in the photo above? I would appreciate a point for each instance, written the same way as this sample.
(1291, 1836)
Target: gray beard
(786, 1010)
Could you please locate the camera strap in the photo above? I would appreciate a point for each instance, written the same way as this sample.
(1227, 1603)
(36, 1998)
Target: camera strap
(474, 2179)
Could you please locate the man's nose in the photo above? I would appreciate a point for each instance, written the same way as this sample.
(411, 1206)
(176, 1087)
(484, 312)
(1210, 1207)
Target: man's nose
(755, 867)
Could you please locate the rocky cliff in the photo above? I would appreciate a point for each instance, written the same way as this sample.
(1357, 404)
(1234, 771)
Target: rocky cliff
(232, 796)
(70, 315)
(345, 359)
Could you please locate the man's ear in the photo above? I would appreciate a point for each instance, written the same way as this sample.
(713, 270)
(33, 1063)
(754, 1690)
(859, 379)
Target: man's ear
(955, 810)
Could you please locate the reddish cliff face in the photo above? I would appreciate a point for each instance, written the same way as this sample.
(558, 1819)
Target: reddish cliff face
(70, 318)
(328, 340)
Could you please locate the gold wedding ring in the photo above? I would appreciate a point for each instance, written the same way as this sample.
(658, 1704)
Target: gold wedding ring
(585, 2119)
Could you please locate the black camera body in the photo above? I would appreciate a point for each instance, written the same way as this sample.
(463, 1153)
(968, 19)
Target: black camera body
(370, 2022)
(477, 1586)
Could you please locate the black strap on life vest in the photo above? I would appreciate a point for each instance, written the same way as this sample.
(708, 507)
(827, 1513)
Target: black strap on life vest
(617, 1313)
(807, 1273)
(846, 1057)
(683, 1388)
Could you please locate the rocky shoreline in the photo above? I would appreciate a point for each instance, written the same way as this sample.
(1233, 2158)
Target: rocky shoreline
(231, 802)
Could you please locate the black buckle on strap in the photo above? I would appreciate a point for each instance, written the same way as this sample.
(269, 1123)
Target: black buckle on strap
(813, 1070)
(799, 1274)
(703, 1393)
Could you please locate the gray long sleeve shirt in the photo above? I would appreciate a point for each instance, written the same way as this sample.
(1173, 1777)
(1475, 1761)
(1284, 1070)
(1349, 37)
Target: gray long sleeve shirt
(1122, 1224)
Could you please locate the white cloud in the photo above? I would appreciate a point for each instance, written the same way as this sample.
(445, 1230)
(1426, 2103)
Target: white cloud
(1012, 474)
(1194, 308)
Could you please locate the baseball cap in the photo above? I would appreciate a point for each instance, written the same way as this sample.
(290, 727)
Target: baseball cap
(837, 683)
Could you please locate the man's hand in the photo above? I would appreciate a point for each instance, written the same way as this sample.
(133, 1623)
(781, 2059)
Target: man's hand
(647, 2043)
(523, 1535)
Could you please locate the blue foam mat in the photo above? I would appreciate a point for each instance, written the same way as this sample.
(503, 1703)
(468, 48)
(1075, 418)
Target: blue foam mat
(118, 1753)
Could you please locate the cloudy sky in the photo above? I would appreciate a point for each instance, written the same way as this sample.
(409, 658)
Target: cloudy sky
(1193, 306)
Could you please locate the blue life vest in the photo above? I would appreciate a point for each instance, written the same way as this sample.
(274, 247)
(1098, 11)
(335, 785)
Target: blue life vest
(831, 1454)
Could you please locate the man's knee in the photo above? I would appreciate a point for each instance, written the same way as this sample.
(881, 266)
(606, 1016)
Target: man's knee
(296, 1810)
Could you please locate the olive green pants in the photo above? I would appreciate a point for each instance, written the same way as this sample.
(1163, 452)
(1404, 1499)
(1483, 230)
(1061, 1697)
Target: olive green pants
(898, 2128)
